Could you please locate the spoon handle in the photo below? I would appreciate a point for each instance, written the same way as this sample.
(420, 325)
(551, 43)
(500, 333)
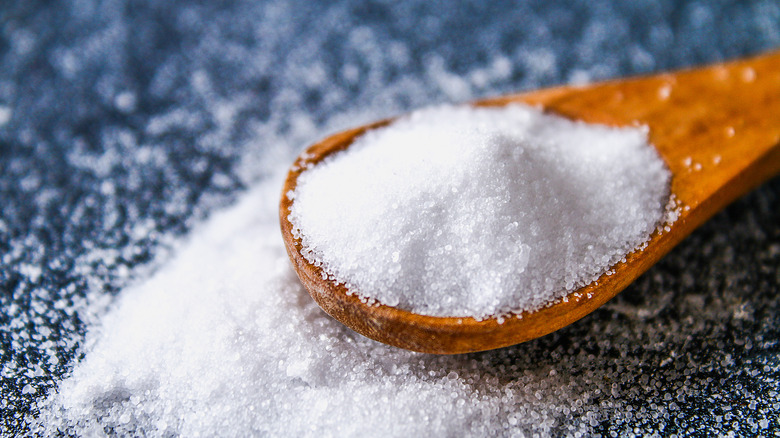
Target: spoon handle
(717, 128)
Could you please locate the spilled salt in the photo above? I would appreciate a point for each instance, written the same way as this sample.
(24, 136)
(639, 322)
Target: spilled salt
(665, 91)
(748, 74)
(461, 211)
(224, 341)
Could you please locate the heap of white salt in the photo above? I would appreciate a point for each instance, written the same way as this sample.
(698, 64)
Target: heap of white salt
(462, 211)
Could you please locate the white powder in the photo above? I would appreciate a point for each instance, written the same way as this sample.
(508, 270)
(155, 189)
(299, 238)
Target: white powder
(223, 341)
(462, 211)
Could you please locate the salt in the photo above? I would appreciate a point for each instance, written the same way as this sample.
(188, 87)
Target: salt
(243, 45)
(224, 341)
(462, 211)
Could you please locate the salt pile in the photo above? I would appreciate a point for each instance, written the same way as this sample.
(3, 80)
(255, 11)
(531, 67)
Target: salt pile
(223, 341)
(461, 211)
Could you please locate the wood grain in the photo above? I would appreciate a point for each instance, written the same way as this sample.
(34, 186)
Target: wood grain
(717, 128)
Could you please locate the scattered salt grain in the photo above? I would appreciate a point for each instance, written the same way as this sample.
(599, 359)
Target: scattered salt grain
(665, 91)
(224, 341)
(5, 115)
(125, 101)
(461, 211)
(748, 74)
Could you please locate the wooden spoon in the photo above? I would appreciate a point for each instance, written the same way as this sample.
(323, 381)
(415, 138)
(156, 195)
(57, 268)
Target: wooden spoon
(717, 128)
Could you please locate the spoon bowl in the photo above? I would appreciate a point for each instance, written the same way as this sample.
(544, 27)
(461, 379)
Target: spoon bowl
(717, 128)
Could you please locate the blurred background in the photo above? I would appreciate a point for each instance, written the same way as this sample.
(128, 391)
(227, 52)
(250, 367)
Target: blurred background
(124, 123)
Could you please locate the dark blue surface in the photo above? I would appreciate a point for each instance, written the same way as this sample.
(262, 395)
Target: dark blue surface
(114, 127)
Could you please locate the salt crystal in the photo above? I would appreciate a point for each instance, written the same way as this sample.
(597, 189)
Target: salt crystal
(5, 115)
(461, 211)
(125, 101)
(748, 74)
(665, 91)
